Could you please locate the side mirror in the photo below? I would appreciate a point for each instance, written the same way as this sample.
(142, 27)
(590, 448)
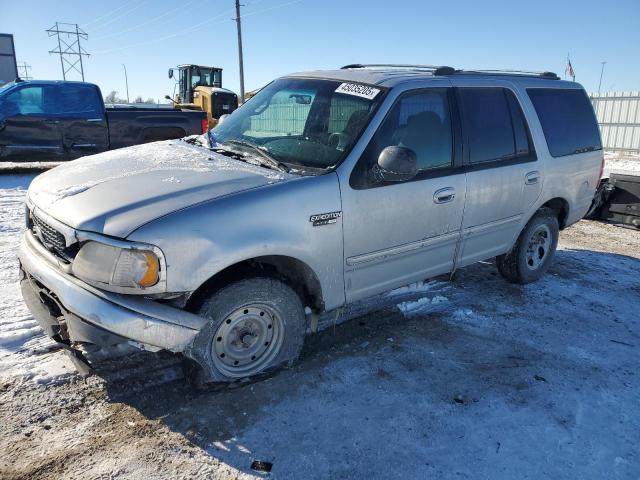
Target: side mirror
(222, 118)
(167, 97)
(396, 164)
(171, 73)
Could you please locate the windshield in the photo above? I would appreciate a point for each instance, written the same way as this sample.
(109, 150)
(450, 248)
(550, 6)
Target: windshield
(302, 122)
(206, 77)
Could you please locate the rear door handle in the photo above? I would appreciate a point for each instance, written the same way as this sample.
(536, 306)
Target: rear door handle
(94, 119)
(532, 178)
(444, 195)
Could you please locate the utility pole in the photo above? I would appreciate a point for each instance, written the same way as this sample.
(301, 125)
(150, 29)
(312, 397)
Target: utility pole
(238, 23)
(69, 47)
(126, 82)
(23, 71)
(601, 73)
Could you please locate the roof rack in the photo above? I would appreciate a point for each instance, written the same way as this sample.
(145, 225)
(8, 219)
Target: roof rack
(445, 70)
(436, 69)
(525, 73)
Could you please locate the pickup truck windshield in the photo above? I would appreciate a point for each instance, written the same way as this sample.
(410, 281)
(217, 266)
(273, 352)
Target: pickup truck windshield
(304, 122)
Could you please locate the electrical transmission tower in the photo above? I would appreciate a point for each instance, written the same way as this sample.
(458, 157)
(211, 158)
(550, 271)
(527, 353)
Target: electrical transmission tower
(23, 71)
(69, 48)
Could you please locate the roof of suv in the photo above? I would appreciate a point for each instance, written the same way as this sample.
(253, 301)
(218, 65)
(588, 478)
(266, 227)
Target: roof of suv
(391, 75)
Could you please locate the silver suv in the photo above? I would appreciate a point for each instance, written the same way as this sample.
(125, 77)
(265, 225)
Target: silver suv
(325, 188)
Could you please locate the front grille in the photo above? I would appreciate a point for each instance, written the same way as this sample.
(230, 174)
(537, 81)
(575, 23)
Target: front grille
(52, 239)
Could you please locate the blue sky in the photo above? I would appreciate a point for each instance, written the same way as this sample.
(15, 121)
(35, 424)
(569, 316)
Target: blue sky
(282, 36)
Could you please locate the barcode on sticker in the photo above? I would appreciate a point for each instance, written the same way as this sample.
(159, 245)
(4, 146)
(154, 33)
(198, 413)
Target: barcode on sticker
(358, 90)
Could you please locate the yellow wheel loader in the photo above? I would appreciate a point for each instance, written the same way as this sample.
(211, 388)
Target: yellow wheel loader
(200, 88)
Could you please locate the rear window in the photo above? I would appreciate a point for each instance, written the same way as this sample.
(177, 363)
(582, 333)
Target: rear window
(567, 119)
(80, 101)
(495, 126)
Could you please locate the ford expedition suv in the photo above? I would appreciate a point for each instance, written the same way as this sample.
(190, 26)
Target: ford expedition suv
(325, 188)
(54, 121)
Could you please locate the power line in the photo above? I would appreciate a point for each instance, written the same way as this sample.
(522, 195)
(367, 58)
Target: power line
(173, 35)
(69, 47)
(23, 71)
(197, 26)
(106, 15)
(120, 15)
(147, 22)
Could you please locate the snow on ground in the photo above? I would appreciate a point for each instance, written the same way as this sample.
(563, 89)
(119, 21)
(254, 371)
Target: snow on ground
(618, 162)
(24, 349)
(469, 378)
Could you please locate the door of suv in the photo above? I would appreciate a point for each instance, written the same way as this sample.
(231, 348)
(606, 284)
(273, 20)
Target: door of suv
(504, 178)
(83, 121)
(399, 232)
(29, 129)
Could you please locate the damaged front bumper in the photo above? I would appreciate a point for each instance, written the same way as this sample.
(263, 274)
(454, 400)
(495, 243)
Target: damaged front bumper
(71, 311)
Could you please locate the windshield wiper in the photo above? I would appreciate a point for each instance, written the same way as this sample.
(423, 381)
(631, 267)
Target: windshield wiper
(268, 160)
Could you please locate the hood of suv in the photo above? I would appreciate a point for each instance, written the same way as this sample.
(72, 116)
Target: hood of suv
(118, 191)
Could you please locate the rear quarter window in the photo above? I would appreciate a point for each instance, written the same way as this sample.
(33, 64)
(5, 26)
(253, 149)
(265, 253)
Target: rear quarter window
(568, 121)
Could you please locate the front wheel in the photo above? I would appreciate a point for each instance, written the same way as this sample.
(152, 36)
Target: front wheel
(255, 326)
(533, 252)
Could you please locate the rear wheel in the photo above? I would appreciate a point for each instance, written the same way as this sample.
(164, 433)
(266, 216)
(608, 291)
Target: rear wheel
(255, 326)
(533, 252)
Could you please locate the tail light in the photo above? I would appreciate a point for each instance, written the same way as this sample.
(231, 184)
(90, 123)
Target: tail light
(204, 125)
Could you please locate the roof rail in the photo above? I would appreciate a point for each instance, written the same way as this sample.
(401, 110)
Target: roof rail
(390, 65)
(525, 73)
(444, 70)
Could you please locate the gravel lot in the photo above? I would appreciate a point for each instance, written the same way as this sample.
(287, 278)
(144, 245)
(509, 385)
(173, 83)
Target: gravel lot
(470, 378)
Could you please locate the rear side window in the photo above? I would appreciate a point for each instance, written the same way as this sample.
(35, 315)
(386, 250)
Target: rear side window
(494, 124)
(80, 101)
(567, 119)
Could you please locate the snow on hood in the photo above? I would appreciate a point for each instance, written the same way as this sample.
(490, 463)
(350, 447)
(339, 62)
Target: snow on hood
(117, 191)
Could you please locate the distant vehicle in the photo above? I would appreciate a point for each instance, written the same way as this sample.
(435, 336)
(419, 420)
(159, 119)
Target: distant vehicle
(55, 120)
(200, 88)
(325, 188)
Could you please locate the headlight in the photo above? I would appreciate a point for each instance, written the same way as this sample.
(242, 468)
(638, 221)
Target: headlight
(107, 266)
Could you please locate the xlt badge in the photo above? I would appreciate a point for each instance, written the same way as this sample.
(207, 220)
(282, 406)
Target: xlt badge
(324, 218)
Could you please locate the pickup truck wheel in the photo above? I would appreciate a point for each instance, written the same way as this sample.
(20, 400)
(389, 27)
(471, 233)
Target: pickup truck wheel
(533, 252)
(255, 326)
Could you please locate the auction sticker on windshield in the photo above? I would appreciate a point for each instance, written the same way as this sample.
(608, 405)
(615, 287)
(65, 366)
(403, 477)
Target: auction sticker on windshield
(358, 90)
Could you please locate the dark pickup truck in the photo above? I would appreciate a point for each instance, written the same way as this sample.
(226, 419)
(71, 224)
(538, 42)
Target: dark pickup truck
(55, 120)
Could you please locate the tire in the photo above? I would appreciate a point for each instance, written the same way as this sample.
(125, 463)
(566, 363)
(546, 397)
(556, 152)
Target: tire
(533, 252)
(255, 326)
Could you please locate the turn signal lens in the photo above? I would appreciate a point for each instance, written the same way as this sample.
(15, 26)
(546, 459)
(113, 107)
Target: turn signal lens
(136, 268)
(151, 275)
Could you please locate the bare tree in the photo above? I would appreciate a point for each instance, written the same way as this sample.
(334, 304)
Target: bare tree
(150, 100)
(138, 99)
(112, 97)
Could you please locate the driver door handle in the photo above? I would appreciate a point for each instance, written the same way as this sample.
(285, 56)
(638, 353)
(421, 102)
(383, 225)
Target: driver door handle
(444, 195)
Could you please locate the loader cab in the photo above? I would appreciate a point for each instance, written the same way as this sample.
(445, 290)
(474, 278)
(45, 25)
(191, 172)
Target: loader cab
(192, 76)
